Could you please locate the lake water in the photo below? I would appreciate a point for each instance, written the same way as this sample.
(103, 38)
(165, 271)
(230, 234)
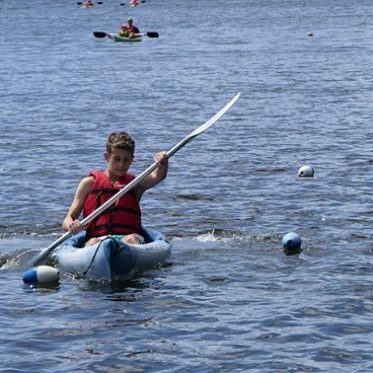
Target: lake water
(230, 300)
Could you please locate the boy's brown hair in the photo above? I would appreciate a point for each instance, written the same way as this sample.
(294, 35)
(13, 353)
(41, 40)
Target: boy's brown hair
(120, 140)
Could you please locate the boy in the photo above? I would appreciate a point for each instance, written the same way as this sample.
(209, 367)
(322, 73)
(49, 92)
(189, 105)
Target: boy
(123, 218)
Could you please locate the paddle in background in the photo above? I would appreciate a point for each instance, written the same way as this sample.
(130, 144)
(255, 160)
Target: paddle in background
(101, 34)
(81, 3)
(135, 3)
(32, 259)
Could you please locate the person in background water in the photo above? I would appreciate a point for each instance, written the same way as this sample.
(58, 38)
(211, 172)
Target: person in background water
(128, 30)
(123, 219)
(88, 3)
(132, 29)
(123, 32)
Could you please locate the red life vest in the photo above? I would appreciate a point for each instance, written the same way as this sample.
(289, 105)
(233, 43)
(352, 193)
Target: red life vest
(123, 217)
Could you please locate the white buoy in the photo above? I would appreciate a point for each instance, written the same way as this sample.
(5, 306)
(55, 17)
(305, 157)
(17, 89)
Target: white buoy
(292, 243)
(41, 275)
(306, 171)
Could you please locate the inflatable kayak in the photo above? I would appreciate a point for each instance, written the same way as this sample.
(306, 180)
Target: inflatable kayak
(111, 259)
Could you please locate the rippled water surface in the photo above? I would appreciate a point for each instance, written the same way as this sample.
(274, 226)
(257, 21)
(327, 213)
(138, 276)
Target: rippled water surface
(230, 299)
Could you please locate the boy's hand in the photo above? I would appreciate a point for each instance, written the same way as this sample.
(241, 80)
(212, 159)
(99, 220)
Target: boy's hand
(161, 158)
(75, 226)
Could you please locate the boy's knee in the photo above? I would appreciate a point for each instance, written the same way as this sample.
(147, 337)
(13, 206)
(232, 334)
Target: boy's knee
(92, 241)
(134, 239)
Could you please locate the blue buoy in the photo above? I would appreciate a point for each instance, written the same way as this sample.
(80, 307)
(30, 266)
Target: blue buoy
(291, 243)
(41, 275)
(306, 171)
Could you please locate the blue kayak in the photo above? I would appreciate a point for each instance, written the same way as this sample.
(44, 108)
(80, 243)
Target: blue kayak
(111, 259)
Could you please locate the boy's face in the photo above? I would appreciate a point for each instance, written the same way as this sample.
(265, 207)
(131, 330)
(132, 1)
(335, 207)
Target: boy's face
(118, 161)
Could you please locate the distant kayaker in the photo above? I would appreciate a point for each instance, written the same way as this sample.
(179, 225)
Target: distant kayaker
(132, 29)
(128, 30)
(123, 218)
(123, 32)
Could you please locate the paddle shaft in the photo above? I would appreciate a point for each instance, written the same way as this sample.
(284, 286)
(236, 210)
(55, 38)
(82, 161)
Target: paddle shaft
(44, 254)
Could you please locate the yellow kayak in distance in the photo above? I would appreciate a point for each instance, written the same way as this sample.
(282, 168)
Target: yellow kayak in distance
(115, 37)
(125, 39)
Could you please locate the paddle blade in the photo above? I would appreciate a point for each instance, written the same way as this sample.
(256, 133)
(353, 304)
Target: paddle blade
(24, 259)
(151, 34)
(216, 117)
(99, 34)
(204, 126)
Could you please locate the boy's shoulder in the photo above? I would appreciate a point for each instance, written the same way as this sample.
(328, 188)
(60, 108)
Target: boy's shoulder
(87, 181)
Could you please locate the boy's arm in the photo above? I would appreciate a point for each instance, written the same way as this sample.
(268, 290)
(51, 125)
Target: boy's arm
(156, 176)
(71, 222)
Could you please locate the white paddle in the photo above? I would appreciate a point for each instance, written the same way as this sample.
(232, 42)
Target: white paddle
(34, 260)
